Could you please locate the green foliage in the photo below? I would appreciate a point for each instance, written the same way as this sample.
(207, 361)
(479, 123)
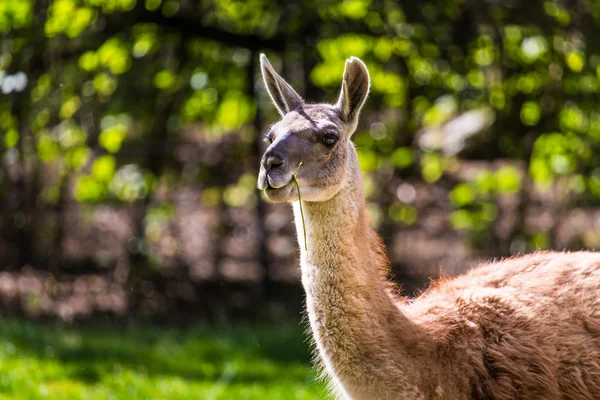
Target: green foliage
(131, 183)
(47, 146)
(245, 16)
(352, 9)
(476, 219)
(508, 180)
(145, 41)
(15, 14)
(556, 154)
(77, 157)
(441, 111)
(104, 167)
(531, 113)
(165, 80)
(211, 197)
(156, 219)
(70, 135)
(112, 138)
(575, 61)
(402, 157)
(404, 214)
(89, 190)
(70, 107)
(241, 194)
(141, 362)
(539, 241)
(432, 167)
(104, 84)
(474, 200)
(463, 194)
(235, 110)
(114, 55)
(11, 138)
(100, 77)
(42, 88)
(65, 16)
(88, 61)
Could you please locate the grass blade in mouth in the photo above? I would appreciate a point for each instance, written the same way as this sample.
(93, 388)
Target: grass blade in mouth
(300, 201)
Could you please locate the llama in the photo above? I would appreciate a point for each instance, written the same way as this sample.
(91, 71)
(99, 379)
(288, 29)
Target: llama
(523, 328)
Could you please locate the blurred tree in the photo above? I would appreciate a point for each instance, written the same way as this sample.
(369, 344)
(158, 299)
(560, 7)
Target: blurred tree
(481, 131)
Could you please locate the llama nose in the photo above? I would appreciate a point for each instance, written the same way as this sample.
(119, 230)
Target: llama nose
(273, 161)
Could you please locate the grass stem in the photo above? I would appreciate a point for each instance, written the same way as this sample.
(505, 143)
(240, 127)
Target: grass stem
(300, 201)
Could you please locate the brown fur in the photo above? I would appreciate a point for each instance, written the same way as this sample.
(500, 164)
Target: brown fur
(522, 328)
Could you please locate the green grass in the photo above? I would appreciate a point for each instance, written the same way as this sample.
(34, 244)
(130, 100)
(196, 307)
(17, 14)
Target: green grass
(39, 361)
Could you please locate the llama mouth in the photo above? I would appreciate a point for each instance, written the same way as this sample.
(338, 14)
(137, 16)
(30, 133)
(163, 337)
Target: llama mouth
(279, 195)
(278, 181)
(267, 182)
(284, 192)
(272, 189)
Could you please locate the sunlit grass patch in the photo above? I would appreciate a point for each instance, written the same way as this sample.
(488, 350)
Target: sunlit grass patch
(40, 361)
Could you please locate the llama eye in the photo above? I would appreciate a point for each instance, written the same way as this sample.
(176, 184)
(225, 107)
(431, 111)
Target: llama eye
(329, 139)
(269, 139)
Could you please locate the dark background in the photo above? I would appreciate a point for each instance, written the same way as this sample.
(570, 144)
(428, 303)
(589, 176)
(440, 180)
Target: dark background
(131, 133)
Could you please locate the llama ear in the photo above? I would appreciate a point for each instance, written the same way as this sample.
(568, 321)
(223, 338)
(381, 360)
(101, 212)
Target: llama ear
(282, 94)
(355, 89)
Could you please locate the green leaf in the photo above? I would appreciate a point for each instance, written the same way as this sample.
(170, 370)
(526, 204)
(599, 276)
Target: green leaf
(88, 189)
(70, 107)
(47, 147)
(104, 84)
(402, 157)
(112, 138)
(530, 113)
(104, 168)
(402, 213)
(165, 80)
(88, 61)
(461, 219)
(575, 61)
(463, 194)
(540, 241)
(368, 160)
(432, 167)
(235, 110)
(77, 157)
(508, 180)
(11, 138)
(114, 54)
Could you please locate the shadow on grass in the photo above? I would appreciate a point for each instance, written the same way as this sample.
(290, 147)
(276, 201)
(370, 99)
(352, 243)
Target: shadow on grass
(90, 353)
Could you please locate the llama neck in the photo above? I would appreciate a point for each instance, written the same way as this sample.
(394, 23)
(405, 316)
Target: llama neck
(358, 328)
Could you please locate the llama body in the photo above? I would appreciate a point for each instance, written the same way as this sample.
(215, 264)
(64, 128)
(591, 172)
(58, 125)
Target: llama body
(523, 328)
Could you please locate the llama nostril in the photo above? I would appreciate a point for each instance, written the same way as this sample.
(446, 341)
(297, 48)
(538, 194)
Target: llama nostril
(273, 162)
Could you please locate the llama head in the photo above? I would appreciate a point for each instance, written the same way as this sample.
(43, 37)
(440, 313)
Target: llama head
(316, 135)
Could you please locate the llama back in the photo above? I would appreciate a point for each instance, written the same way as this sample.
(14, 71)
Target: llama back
(526, 327)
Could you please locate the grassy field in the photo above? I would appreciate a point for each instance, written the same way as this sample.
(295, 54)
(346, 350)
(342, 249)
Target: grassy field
(39, 361)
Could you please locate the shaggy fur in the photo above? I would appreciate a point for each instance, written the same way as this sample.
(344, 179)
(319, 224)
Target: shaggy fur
(522, 328)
